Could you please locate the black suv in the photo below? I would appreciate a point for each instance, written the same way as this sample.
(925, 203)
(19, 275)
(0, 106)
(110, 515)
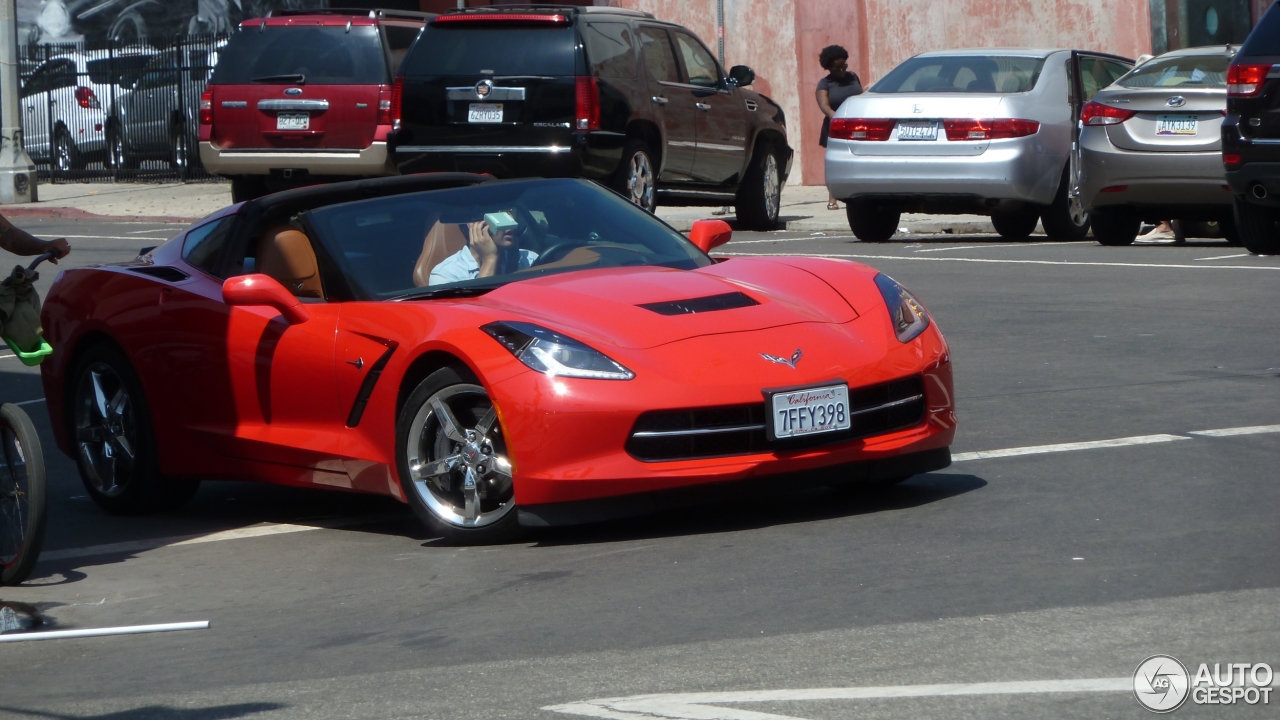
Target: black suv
(1251, 136)
(603, 93)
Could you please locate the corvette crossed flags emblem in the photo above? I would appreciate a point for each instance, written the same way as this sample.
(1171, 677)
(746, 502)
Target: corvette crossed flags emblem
(795, 358)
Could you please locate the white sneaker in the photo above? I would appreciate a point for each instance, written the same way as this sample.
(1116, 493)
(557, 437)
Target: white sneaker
(1164, 236)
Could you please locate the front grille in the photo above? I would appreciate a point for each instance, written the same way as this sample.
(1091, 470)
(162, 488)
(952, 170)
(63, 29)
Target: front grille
(740, 429)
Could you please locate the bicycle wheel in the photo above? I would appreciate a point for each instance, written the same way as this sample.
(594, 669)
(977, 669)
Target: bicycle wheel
(22, 495)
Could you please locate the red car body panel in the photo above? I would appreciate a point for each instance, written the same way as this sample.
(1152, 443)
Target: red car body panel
(238, 393)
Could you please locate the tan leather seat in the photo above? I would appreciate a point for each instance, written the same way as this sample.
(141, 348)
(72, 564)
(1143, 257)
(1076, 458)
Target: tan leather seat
(285, 254)
(443, 241)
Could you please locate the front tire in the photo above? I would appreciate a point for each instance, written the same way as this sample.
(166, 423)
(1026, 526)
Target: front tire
(113, 440)
(869, 222)
(759, 199)
(66, 157)
(1256, 226)
(453, 462)
(1015, 226)
(22, 495)
(1113, 228)
(637, 177)
(1065, 219)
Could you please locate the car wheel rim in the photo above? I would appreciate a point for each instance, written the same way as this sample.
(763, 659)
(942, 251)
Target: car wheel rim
(457, 458)
(117, 152)
(1076, 211)
(772, 190)
(106, 433)
(63, 154)
(640, 180)
(14, 498)
(180, 152)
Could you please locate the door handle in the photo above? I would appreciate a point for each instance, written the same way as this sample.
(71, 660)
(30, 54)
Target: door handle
(659, 99)
(702, 106)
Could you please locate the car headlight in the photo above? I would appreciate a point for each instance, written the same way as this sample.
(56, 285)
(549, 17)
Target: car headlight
(905, 311)
(551, 353)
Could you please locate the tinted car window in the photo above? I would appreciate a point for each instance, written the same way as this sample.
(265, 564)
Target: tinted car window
(1182, 71)
(160, 72)
(1265, 38)
(658, 56)
(203, 245)
(399, 38)
(963, 74)
(1097, 73)
(610, 49)
(323, 55)
(122, 70)
(514, 50)
(571, 225)
(698, 63)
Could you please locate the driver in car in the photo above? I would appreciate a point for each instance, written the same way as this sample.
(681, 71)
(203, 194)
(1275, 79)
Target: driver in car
(491, 250)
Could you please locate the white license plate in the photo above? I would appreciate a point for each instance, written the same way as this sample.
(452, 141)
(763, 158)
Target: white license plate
(485, 113)
(293, 121)
(800, 413)
(917, 131)
(1176, 124)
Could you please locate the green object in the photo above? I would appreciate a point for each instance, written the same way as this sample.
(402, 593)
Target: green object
(30, 359)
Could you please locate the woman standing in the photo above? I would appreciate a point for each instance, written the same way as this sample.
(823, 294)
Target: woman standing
(839, 85)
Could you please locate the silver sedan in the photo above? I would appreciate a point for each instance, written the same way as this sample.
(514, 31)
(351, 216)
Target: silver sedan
(986, 131)
(1151, 145)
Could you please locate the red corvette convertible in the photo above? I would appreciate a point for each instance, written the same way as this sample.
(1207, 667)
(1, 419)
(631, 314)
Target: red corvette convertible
(496, 354)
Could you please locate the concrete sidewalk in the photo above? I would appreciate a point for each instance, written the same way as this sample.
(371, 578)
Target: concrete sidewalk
(804, 208)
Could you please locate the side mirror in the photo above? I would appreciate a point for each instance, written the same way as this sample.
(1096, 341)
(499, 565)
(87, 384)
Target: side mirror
(741, 75)
(263, 291)
(709, 234)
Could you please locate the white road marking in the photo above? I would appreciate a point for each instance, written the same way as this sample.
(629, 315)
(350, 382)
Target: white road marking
(1224, 257)
(30, 402)
(2, 357)
(1017, 262)
(1228, 432)
(99, 632)
(705, 705)
(1046, 243)
(102, 237)
(1066, 447)
(154, 230)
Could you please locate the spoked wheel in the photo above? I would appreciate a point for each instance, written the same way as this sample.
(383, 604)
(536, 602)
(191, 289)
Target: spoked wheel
(65, 157)
(179, 154)
(22, 495)
(760, 197)
(454, 465)
(637, 180)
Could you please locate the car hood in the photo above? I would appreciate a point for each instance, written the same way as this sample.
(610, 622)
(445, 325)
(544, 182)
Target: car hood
(606, 305)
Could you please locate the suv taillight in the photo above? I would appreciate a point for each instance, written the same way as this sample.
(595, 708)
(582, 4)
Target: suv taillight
(1246, 80)
(587, 106)
(992, 129)
(86, 99)
(206, 107)
(1095, 113)
(395, 105)
(861, 128)
(384, 105)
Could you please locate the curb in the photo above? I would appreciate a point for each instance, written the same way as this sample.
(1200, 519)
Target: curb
(78, 214)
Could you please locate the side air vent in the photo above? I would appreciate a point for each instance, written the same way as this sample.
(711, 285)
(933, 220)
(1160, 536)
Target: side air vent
(710, 303)
(162, 272)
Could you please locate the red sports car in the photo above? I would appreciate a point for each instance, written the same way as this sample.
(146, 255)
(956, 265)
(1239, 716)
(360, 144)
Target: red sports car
(496, 354)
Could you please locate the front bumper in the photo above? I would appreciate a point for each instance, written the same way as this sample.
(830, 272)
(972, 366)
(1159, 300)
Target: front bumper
(371, 161)
(1266, 174)
(1150, 179)
(1005, 170)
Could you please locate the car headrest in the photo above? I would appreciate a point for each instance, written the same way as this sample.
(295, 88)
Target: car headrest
(285, 254)
(443, 241)
(1011, 84)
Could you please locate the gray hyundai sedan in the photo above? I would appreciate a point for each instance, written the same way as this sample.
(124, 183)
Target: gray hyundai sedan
(1151, 146)
(986, 131)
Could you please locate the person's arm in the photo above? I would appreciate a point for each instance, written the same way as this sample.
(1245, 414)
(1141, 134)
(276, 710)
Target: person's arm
(485, 249)
(824, 103)
(21, 242)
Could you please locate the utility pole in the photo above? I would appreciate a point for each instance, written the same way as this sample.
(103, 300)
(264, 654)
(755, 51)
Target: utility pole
(17, 172)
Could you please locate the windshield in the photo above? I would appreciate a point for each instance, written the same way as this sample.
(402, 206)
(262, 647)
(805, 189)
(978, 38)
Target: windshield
(1209, 71)
(321, 55)
(1002, 74)
(476, 238)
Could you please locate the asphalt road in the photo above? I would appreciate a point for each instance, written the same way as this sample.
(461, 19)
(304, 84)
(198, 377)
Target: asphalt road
(984, 590)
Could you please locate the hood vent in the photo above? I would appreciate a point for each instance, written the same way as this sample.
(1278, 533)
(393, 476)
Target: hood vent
(710, 303)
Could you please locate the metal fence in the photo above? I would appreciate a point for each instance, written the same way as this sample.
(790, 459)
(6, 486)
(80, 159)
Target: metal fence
(123, 112)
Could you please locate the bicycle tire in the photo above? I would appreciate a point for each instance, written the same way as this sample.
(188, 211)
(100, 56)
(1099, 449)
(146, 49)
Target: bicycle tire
(22, 495)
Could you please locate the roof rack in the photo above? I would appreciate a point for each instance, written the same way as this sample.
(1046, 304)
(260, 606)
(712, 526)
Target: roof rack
(557, 9)
(358, 12)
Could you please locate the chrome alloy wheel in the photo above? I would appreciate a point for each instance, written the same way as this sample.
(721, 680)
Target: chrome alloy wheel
(640, 180)
(180, 151)
(15, 497)
(106, 436)
(772, 188)
(457, 458)
(1076, 210)
(62, 153)
(115, 151)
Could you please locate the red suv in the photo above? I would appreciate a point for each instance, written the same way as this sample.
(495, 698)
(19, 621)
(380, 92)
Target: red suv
(303, 97)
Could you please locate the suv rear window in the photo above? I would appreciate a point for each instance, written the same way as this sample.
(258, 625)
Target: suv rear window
(323, 55)
(483, 49)
(122, 70)
(1003, 74)
(1183, 71)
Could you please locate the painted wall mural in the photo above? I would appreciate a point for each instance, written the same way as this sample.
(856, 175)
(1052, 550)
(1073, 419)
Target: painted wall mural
(154, 22)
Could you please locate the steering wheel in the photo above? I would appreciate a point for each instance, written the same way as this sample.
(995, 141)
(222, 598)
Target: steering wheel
(557, 252)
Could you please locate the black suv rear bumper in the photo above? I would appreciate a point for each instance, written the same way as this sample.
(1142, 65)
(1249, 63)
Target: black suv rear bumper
(590, 157)
(1253, 178)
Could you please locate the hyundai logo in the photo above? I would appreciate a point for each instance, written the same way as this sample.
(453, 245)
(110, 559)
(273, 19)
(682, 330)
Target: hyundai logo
(293, 91)
(1176, 101)
(483, 88)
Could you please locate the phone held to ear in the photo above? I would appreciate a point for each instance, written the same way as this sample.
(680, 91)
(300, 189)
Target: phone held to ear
(500, 222)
